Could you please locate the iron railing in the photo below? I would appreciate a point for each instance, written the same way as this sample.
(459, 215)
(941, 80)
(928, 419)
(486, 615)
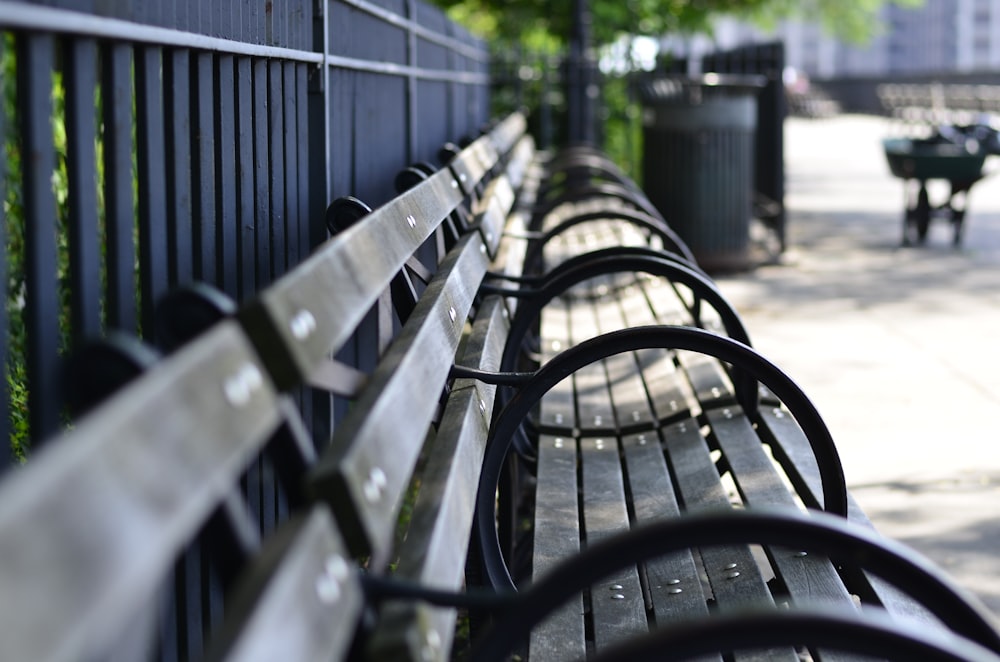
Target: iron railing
(150, 144)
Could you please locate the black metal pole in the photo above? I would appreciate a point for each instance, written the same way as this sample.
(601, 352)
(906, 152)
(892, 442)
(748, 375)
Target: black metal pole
(581, 93)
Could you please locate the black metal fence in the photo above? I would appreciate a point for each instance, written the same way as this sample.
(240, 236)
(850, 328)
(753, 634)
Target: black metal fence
(149, 144)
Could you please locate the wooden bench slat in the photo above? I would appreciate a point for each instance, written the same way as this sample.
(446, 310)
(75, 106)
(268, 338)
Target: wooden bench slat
(353, 475)
(557, 536)
(709, 381)
(433, 552)
(667, 389)
(595, 414)
(499, 199)
(732, 572)
(557, 409)
(791, 448)
(310, 312)
(628, 393)
(472, 163)
(508, 132)
(673, 581)
(300, 600)
(98, 518)
(809, 578)
(616, 604)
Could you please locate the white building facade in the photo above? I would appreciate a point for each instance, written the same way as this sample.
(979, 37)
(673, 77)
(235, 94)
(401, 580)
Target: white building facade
(939, 36)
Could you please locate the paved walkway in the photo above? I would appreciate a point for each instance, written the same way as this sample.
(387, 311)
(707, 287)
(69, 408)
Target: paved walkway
(899, 348)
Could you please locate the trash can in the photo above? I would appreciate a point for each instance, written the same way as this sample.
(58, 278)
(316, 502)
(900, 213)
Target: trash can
(698, 162)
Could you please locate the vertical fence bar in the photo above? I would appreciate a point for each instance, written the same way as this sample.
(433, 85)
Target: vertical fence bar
(412, 123)
(119, 213)
(153, 270)
(41, 310)
(177, 76)
(203, 167)
(293, 218)
(262, 224)
(225, 183)
(319, 184)
(81, 166)
(276, 168)
(300, 141)
(244, 177)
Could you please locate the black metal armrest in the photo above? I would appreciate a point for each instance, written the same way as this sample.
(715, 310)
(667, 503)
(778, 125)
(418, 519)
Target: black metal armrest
(641, 219)
(610, 261)
(752, 368)
(870, 633)
(822, 533)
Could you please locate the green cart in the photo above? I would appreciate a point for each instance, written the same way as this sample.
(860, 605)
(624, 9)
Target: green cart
(918, 161)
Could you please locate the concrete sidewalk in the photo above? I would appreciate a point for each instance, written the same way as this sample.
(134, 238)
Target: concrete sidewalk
(899, 348)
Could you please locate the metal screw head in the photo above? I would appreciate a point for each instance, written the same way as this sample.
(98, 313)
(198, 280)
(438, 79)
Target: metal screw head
(375, 485)
(327, 590)
(302, 324)
(733, 575)
(239, 388)
(411, 221)
(432, 645)
(336, 567)
(617, 596)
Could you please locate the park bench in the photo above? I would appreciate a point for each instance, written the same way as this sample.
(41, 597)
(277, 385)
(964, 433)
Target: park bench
(588, 424)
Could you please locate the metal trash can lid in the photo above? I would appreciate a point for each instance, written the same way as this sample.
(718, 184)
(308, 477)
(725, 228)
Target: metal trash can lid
(689, 90)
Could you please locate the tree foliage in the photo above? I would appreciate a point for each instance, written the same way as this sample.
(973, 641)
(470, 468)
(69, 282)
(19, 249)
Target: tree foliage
(545, 25)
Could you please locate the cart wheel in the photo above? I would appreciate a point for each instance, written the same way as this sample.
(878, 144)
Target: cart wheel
(957, 216)
(922, 214)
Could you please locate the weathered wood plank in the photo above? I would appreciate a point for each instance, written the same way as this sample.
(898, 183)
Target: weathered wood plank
(73, 524)
(616, 603)
(732, 573)
(364, 471)
(557, 536)
(300, 599)
(434, 550)
(673, 581)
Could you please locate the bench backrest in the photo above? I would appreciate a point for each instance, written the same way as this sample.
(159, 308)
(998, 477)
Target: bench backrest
(103, 532)
(92, 528)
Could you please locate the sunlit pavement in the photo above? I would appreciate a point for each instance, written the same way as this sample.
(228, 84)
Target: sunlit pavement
(899, 348)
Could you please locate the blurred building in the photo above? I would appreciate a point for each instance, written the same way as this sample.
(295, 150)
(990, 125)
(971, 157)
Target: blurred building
(939, 36)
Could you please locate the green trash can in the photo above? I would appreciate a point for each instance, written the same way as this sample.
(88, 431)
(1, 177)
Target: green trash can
(698, 162)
